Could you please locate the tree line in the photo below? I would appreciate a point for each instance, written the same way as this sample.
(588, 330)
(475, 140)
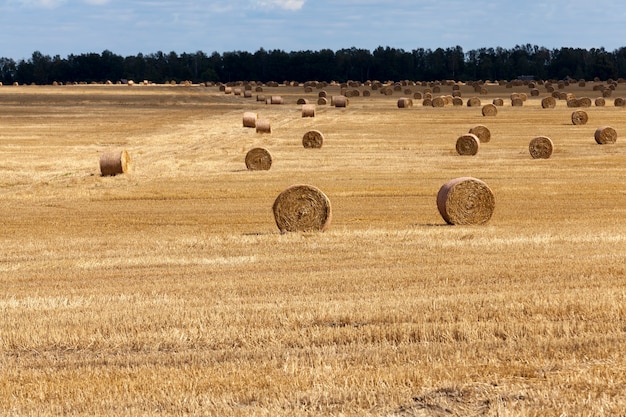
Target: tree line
(383, 63)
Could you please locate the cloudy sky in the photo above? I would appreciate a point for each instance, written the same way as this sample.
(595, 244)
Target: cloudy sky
(129, 27)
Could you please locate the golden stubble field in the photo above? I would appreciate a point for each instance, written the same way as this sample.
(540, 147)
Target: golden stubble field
(170, 291)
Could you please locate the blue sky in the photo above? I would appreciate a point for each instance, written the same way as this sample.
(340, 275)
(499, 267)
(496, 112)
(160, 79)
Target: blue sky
(129, 27)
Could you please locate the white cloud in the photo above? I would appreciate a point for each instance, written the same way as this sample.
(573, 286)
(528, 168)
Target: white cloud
(292, 5)
(97, 2)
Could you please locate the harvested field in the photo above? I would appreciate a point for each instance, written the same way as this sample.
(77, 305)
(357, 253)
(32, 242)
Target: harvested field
(169, 290)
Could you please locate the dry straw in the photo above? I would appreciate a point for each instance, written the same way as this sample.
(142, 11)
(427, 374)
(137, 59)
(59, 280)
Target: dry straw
(263, 126)
(490, 110)
(249, 119)
(258, 159)
(313, 139)
(605, 135)
(340, 101)
(465, 200)
(276, 100)
(114, 163)
(600, 102)
(473, 102)
(405, 103)
(302, 101)
(438, 101)
(322, 101)
(548, 102)
(540, 147)
(498, 102)
(579, 117)
(467, 144)
(482, 133)
(308, 110)
(302, 208)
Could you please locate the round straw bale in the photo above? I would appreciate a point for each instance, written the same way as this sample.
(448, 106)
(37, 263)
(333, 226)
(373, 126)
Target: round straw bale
(473, 102)
(260, 97)
(247, 93)
(605, 135)
(427, 102)
(457, 101)
(579, 117)
(302, 208)
(465, 200)
(263, 126)
(498, 102)
(340, 101)
(313, 139)
(276, 100)
(258, 159)
(517, 102)
(584, 102)
(619, 102)
(540, 147)
(404, 103)
(482, 133)
(308, 110)
(417, 95)
(548, 102)
(573, 102)
(490, 110)
(438, 101)
(228, 90)
(467, 144)
(366, 93)
(114, 162)
(322, 101)
(302, 100)
(322, 93)
(249, 119)
(600, 102)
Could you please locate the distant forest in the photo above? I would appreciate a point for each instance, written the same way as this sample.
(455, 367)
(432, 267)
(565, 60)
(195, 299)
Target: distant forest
(383, 64)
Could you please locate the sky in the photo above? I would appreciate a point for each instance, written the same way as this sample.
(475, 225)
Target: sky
(130, 27)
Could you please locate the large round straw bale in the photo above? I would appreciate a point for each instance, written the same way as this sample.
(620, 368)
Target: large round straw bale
(605, 135)
(457, 101)
(548, 102)
(600, 102)
(490, 110)
(405, 103)
(619, 102)
(249, 119)
(302, 208)
(276, 100)
(467, 144)
(258, 159)
(417, 95)
(308, 110)
(473, 102)
(340, 101)
(482, 133)
(584, 102)
(498, 102)
(427, 102)
(540, 147)
(322, 101)
(579, 117)
(302, 100)
(465, 200)
(114, 162)
(573, 102)
(263, 126)
(247, 93)
(366, 93)
(260, 97)
(438, 101)
(322, 93)
(517, 102)
(313, 139)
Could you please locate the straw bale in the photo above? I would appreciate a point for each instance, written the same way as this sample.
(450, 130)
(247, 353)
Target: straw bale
(114, 163)
(540, 147)
(600, 102)
(258, 159)
(482, 133)
(548, 102)
(467, 144)
(263, 126)
(473, 102)
(579, 117)
(438, 102)
(322, 101)
(308, 110)
(405, 103)
(498, 102)
(313, 139)
(517, 102)
(457, 101)
(302, 100)
(584, 102)
(605, 135)
(465, 201)
(302, 208)
(340, 101)
(619, 102)
(490, 110)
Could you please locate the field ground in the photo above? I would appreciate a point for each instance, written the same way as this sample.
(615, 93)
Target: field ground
(170, 291)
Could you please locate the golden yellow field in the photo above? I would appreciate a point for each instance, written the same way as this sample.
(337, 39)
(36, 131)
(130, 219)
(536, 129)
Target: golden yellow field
(169, 290)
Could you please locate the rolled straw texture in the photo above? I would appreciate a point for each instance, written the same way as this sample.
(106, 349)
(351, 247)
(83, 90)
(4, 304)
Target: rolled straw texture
(540, 147)
(263, 126)
(302, 208)
(490, 110)
(482, 133)
(473, 102)
(600, 102)
(498, 102)
(405, 103)
(308, 110)
(276, 100)
(605, 135)
(579, 117)
(249, 119)
(465, 200)
(114, 163)
(258, 159)
(313, 139)
(467, 144)
(322, 101)
(548, 102)
(340, 101)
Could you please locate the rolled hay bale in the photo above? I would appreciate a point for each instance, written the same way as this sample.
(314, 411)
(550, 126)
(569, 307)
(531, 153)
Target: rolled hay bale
(302, 208)
(498, 102)
(366, 93)
(490, 110)
(340, 101)
(427, 102)
(579, 117)
(457, 101)
(260, 97)
(482, 133)
(258, 159)
(417, 95)
(228, 90)
(237, 91)
(540, 147)
(322, 93)
(302, 100)
(584, 102)
(605, 135)
(619, 102)
(573, 102)
(405, 103)
(600, 102)
(249, 119)
(263, 126)
(467, 144)
(465, 201)
(438, 101)
(313, 139)
(322, 101)
(473, 102)
(308, 110)
(517, 102)
(114, 163)
(247, 93)
(276, 100)
(548, 102)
